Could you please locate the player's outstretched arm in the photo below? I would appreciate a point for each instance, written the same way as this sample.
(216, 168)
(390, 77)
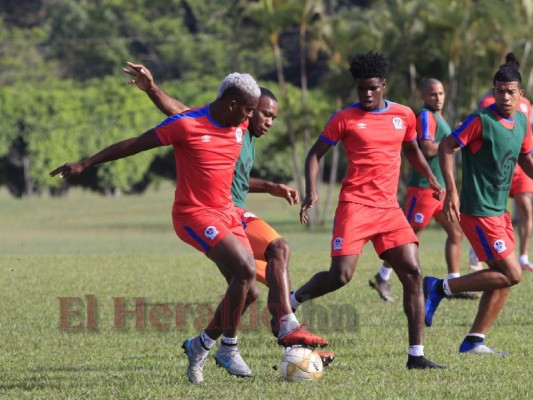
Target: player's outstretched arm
(419, 163)
(123, 149)
(311, 174)
(275, 189)
(142, 77)
(451, 202)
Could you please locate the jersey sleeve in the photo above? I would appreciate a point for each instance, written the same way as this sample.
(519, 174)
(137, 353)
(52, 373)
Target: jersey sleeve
(170, 131)
(469, 132)
(333, 130)
(410, 126)
(426, 126)
(486, 101)
(527, 143)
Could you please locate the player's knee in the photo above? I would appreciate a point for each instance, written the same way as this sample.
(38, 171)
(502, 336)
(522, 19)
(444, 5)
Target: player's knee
(340, 279)
(455, 236)
(253, 294)
(278, 249)
(246, 269)
(515, 277)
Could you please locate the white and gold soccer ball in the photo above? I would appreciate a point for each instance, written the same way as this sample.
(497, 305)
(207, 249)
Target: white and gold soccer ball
(301, 364)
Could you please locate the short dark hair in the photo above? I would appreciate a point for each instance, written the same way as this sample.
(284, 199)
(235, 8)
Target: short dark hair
(507, 73)
(426, 83)
(267, 93)
(369, 65)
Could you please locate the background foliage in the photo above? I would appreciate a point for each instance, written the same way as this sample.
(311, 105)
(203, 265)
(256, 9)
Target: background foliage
(62, 95)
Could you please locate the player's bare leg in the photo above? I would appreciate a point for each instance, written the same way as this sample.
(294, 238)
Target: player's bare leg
(404, 261)
(233, 259)
(525, 224)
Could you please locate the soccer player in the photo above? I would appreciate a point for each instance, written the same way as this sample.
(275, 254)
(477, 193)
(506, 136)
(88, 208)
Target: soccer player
(373, 131)
(271, 251)
(207, 142)
(491, 142)
(420, 205)
(522, 185)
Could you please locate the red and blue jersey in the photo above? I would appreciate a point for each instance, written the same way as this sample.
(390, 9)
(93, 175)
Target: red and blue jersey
(373, 143)
(205, 154)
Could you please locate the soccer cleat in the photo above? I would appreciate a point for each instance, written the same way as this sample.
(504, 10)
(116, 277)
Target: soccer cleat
(465, 295)
(382, 287)
(473, 261)
(197, 356)
(421, 362)
(526, 267)
(229, 358)
(327, 357)
(479, 348)
(301, 336)
(432, 298)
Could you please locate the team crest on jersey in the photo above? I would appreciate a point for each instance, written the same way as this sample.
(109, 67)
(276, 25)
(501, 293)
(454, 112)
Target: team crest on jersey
(238, 135)
(523, 108)
(419, 218)
(206, 139)
(500, 246)
(397, 122)
(211, 232)
(248, 214)
(361, 125)
(337, 243)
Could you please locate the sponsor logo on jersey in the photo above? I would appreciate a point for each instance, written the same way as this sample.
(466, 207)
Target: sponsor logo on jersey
(500, 246)
(248, 214)
(397, 122)
(211, 232)
(238, 135)
(361, 125)
(206, 139)
(337, 243)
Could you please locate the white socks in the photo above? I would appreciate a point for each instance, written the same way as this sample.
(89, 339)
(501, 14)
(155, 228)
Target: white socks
(385, 272)
(416, 350)
(523, 259)
(294, 303)
(206, 340)
(452, 275)
(446, 287)
(287, 324)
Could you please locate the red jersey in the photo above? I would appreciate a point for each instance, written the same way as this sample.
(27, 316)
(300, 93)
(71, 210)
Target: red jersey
(205, 154)
(524, 105)
(373, 143)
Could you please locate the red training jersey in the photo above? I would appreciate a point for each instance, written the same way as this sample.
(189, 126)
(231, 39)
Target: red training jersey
(373, 142)
(205, 154)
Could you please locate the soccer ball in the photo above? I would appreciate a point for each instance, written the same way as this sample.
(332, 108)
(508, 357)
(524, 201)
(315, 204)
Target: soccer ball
(301, 364)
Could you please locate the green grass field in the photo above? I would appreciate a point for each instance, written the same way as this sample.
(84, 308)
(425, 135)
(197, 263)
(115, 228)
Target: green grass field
(88, 245)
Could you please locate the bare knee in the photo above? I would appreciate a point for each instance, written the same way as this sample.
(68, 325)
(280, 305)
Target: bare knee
(253, 294)
(246, 269)
(515, 278)
(278, 249)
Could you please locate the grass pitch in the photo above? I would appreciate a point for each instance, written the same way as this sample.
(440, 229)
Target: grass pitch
(94, 254)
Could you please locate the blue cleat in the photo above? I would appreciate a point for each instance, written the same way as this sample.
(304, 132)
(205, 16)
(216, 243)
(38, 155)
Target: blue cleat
(479, 348)
(432, 298)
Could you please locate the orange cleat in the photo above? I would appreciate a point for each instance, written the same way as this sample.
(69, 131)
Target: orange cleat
(301, 336)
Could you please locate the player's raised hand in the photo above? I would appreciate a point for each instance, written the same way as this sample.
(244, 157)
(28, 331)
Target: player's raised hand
(68, 169)
(451, 207)
(308, 202)
(288, 193)
(142, 77)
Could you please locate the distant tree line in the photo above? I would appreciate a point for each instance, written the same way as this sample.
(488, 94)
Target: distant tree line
(62, 95)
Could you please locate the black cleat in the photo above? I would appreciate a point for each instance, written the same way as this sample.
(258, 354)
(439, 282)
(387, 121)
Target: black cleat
(421, 362)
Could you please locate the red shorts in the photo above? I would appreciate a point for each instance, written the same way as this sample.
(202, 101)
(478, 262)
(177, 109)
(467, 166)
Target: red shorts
(205, 229)
(260, 235)
(492, 238)
(421, 206)
(355, 224)
(521, 182)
